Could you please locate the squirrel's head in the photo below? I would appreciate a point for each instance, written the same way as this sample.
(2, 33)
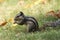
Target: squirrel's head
(19, 18)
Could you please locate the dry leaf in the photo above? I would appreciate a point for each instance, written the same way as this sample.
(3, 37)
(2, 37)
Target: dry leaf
(3, 23)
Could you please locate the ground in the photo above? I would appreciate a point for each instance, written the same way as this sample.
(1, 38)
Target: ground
(35, 8)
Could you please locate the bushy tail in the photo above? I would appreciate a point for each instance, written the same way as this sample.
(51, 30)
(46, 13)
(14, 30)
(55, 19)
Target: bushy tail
(50, 24)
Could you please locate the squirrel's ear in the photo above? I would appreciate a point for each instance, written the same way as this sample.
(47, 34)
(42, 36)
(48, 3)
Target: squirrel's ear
(21, 13)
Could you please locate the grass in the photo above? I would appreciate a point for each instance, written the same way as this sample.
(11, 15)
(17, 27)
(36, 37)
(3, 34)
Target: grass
(9, 8)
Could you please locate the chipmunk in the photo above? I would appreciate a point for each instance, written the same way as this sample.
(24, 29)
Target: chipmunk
(31, 22)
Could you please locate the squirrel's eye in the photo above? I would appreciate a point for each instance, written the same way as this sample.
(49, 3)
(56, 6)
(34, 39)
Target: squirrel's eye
(17, 16)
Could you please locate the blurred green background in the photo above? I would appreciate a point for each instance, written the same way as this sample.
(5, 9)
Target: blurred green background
(35, 8)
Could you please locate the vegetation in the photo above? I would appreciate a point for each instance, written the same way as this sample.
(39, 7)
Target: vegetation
(35, 8)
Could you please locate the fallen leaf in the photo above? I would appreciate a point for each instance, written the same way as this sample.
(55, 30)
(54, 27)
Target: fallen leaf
(3, 23)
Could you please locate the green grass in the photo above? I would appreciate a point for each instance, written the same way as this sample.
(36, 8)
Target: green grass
(20, 34)
(10, 8)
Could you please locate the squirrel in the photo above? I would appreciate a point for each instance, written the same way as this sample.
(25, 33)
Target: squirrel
(31, 22)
